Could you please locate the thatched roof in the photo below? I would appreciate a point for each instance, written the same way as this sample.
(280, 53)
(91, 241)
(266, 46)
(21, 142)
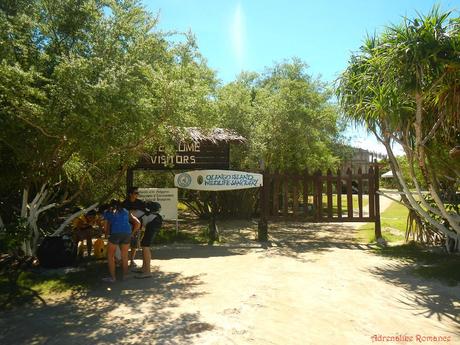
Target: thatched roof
(213, 135)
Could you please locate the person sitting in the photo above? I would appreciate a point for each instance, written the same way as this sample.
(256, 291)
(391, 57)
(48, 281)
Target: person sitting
(117, 226)
(86, 227)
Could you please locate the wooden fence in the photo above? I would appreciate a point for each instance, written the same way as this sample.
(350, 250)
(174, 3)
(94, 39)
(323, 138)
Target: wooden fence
(322, 198)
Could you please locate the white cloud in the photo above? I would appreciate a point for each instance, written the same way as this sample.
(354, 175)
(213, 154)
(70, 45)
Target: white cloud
(371, 144)
(237, 31)
(362, 139)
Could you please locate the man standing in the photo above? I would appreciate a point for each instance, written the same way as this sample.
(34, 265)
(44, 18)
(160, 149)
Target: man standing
(137, 208)
(152, 222)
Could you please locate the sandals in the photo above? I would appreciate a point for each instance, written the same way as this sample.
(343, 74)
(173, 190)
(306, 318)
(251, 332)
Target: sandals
(108, 280)
(143, 275)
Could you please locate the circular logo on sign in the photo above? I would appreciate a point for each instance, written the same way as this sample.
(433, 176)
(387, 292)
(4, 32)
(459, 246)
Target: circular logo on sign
(200, 179)
(184, 180)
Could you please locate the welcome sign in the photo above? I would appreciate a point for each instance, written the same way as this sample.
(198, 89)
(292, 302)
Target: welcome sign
(194, 155)
(217, 180)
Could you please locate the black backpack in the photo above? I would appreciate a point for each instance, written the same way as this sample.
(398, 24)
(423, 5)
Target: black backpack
(57, 251)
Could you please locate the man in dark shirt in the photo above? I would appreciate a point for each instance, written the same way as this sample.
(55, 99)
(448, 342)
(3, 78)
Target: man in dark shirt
(137, 208)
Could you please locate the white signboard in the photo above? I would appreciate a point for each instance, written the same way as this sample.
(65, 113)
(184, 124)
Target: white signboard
(166, 197)
(216, 180)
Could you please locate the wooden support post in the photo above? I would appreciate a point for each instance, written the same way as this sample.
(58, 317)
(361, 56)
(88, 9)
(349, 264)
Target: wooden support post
(378, 229)
(213, 226)
(319, 196)
(262, 228)
(360, 192)
(371, 193)
(305, 181)
(329, 194)
(349, 194)
(339, 194)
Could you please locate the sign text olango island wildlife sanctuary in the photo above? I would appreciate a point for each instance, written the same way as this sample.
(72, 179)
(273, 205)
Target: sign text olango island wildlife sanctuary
(217, 180)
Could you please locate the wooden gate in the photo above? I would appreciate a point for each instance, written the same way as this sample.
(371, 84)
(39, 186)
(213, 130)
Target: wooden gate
(321, 198)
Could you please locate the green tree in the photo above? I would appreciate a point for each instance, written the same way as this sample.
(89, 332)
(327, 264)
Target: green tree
(403, 84)
(85, 87)
(286, 116)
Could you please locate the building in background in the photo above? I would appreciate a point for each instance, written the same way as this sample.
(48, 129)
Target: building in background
(360, 158)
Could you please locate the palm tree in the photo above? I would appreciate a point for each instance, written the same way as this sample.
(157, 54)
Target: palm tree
(404, 86)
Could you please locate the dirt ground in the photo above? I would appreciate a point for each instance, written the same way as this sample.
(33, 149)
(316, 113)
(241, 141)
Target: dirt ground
(313, 284)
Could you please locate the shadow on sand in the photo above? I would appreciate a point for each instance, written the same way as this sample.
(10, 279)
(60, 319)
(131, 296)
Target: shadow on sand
(427, 297)
(142, 311)
(128, 312)
(289, 239)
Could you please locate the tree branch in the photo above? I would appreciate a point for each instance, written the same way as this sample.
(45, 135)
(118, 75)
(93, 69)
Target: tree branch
(40, 129)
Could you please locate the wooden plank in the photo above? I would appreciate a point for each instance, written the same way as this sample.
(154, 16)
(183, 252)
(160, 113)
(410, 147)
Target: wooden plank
(319, 196)
(280, 192)
(306, 181)
(360, 193)
(378, 230)
(329, 194)
(339, 194)
(371, 193)
(314, 192)
(349, 194)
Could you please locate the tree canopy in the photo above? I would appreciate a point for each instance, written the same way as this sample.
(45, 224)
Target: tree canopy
(403, 84)
(286, 116)
(86, 86)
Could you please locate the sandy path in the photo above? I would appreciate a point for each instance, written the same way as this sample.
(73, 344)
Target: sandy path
(314, 285)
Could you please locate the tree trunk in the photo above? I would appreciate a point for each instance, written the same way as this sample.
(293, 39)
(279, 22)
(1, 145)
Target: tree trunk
(430, 179)
(413, 204)
(30, 213)
(72, 217)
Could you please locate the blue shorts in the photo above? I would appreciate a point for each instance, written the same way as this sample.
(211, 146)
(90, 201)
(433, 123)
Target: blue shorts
(120, 238)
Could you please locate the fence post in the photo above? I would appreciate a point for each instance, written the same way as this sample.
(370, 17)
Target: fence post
(319, 196)
(305, 181)
(262, 227)
(329, 194)
(360, 192)
(378, 229)
(349, 194)
(339, 194)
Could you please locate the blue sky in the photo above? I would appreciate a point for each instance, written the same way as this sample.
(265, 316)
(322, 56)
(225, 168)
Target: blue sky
(249, 35)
